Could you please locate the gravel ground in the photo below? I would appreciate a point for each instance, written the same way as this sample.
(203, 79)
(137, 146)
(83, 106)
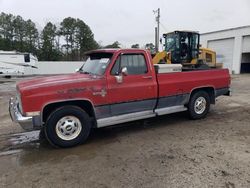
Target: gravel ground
(168, 151)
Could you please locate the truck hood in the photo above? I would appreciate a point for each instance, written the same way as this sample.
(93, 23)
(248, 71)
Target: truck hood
(53, 80)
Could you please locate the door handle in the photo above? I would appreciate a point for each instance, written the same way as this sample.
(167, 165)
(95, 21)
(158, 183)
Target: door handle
(147, 77)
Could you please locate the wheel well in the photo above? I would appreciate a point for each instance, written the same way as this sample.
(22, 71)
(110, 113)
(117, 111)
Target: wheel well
(85, 105)
(209, 90)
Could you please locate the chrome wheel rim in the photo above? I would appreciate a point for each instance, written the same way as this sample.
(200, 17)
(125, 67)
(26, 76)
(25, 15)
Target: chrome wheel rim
(68, 128)
(200, 105)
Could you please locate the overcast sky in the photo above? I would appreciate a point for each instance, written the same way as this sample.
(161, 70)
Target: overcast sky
(133, 21)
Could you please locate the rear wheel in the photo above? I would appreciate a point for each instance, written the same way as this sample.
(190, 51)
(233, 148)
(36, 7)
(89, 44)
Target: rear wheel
(199, 105)
(67, 126)
(42, 134)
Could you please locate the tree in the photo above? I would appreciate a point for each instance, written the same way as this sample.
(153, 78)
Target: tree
(78, 37)
(19, 33)
(84, 38)
(116, 44)
(135, 46)
(67, 30)
(68, 42)
(6, 31)
(49, 51)
(31, 37)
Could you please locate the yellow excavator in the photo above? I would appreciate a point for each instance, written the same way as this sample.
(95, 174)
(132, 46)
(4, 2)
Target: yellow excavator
(183, 47)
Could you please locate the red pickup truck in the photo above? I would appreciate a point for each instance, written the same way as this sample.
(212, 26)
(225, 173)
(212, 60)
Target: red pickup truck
(113, 86)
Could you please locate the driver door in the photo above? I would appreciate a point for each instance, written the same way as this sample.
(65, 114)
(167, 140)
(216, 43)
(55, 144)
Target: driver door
(138, 90)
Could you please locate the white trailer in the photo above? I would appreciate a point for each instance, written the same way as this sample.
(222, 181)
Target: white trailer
(14, 63)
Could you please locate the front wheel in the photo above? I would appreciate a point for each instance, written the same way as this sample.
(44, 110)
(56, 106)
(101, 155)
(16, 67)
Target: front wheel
(67, 126)
(199, 105)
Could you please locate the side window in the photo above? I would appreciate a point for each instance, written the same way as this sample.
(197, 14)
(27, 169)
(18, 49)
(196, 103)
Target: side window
(208, 57)
(26, 58)
(135, 63)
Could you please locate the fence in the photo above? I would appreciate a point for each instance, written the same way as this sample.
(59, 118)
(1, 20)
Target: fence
(57, 67)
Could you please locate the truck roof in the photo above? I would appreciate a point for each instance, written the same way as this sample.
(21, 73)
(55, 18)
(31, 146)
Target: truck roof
(12, 53)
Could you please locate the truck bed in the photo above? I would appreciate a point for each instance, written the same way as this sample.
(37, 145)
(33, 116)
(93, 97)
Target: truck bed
(175, 88)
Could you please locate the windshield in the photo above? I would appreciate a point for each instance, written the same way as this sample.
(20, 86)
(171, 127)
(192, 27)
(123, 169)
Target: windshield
(96, 63)
(170, 42)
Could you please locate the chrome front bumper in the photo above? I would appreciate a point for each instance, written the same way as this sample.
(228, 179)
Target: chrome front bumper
(16, 116)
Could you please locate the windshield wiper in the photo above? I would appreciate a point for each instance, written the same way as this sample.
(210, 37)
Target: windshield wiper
(85, 72)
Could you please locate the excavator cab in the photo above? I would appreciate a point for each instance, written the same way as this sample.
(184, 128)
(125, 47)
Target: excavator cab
(183, 46)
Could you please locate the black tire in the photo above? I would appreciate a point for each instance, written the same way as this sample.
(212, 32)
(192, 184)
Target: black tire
(54, 134)
(199, 96)
(42, 134)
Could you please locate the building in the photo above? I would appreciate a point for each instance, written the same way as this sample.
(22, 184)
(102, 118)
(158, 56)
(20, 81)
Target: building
(232, 47)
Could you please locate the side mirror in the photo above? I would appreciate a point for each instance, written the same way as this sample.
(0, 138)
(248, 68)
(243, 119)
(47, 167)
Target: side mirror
(119, 78)
(160, 40)
(77, 70)
(124, 71)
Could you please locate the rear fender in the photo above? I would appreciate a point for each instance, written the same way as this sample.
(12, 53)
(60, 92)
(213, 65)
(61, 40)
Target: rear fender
(209, 89)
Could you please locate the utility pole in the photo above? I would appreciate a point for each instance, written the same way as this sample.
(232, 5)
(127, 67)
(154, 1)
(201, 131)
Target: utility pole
(157, 29)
